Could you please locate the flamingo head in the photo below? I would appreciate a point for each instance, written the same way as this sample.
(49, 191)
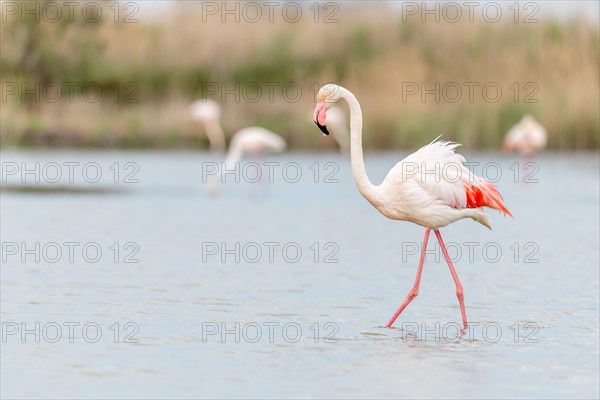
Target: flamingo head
(205, 110)
(328, 95)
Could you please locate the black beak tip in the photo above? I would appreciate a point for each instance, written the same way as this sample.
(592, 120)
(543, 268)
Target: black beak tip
(323, 128)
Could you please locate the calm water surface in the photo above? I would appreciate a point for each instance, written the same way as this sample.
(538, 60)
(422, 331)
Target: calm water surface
(166, 309)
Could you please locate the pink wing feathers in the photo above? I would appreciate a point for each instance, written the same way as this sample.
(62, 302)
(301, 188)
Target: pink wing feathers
(484, 194)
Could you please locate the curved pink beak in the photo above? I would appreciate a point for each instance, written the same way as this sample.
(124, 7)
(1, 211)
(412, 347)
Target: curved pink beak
(319, 117)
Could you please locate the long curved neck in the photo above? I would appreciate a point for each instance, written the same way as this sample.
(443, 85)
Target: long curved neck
(229, 165)
(216, 136)
(233, 155)
(365, 187)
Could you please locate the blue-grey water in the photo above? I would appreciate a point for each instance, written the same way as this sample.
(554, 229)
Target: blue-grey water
(140, 285)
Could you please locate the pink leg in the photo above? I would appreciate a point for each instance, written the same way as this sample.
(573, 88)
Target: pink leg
(415, 290)
(459, 288)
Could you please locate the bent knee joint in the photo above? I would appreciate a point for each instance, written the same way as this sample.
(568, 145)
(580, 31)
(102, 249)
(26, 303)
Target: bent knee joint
(460, 294)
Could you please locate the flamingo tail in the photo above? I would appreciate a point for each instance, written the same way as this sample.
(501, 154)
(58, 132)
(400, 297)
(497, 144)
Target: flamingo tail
(484, 194)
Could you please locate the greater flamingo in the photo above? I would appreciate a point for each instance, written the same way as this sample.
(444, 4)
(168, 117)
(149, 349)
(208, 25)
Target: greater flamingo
(254, 142)
(417, 189)
(208, 113)
(526, 137)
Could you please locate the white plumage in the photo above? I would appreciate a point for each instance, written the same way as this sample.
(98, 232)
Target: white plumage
(433, 188)
(251, 142)
(254, 142)
(208, 113)
(336, 120)
(526, 137)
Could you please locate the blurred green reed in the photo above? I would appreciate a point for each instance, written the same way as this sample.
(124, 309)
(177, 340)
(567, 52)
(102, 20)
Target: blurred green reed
(150, 70)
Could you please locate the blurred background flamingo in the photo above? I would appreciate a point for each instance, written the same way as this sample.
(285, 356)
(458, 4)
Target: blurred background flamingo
(526, 137)
(254, 142)
(208, 114)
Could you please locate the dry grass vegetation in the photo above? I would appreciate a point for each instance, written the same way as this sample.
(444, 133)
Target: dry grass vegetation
(372, 51)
